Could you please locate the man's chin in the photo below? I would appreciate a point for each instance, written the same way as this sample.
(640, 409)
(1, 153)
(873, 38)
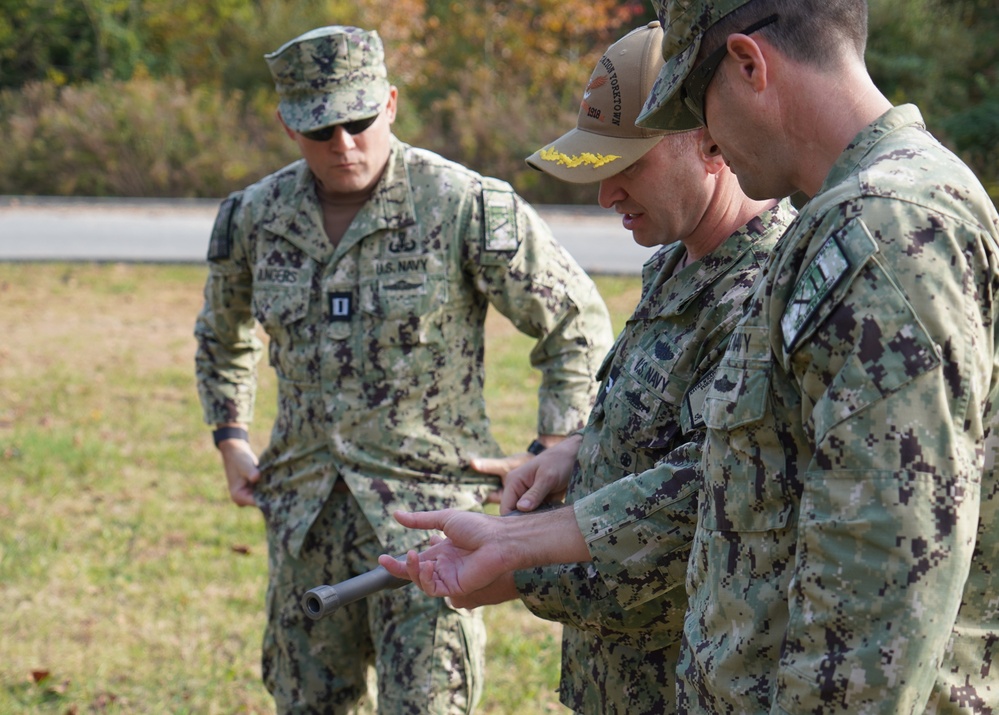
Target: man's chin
(644, 239)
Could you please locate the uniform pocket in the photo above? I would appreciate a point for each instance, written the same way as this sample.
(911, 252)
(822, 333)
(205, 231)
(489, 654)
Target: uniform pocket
(281, 312)
(745, 482)
(404, 311)
(748, 387)
(275, 308)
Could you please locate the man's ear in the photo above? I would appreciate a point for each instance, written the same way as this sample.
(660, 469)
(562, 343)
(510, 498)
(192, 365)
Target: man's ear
(392, 105)
(751, 59)
(710, 152)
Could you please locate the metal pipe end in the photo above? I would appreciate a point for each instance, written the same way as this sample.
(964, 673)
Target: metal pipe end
(320, 601)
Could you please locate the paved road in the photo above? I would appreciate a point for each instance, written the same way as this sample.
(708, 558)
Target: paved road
(176, 231)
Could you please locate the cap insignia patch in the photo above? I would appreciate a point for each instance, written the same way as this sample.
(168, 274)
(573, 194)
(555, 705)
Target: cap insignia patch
(585, 159)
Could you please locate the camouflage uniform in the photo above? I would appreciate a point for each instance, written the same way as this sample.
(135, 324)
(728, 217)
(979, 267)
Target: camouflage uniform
(377, 344)
(620, 641)
(845, 558)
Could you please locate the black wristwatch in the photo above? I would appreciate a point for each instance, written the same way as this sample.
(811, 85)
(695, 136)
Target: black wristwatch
(536, 448)
(230, 433)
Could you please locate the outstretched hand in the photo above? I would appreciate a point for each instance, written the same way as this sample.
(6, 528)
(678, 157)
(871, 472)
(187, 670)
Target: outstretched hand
(471, 558)
(481, 549)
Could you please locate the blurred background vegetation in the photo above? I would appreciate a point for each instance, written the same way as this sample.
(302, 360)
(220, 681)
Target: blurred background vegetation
(172, 98)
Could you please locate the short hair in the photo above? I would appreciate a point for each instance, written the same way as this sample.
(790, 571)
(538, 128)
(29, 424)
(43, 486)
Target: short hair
(809, 31)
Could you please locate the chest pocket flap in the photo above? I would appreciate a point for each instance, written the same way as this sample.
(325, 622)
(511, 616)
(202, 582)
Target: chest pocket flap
(737, 393)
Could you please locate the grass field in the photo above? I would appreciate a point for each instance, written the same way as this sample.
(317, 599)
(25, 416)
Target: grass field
(128, 581)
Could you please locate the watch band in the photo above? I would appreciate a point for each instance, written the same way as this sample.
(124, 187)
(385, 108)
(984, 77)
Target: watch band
(536, 448)
(223, 433)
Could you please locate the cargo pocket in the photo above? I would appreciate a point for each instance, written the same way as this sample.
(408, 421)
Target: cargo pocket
(280, 310)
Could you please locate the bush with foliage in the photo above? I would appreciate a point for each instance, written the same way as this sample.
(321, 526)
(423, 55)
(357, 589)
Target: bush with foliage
(137, 137)
(166, 98)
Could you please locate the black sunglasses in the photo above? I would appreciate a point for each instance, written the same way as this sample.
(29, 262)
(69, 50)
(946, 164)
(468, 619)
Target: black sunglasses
(695, 87)
(352, 128)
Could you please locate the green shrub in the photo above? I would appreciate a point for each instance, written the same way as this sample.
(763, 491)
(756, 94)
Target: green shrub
(141, 137)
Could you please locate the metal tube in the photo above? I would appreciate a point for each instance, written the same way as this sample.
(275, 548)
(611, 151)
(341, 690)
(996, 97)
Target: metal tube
(323, 600)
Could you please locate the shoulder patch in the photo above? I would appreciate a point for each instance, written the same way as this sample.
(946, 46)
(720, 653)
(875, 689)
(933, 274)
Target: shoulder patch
(499, 208)
(220, 245)
(822, 275)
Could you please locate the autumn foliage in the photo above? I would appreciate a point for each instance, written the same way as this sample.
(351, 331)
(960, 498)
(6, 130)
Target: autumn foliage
(173, 98)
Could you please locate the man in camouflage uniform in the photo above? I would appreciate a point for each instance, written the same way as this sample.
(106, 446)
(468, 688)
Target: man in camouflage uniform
(845, 555)
(370, 265)
(620, 640)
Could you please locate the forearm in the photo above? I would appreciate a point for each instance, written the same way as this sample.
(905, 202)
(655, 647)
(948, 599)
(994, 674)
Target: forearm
(541, 538)
(575, 595)
(638, 529)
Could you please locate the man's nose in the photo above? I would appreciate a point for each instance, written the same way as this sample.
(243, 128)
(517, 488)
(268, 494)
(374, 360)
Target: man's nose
(610, 193)
(341, 140)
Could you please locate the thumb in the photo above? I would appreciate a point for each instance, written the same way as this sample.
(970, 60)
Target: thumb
(530, 499)
(247, 468)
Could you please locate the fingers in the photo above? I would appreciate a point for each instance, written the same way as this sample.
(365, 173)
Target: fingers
(242, 496)
(411, 568)
(241, 471)
(517, 482)
(544, 479)
(422, 573)
(528, 496)
(508, 501)
(394, 566)
(486, 465)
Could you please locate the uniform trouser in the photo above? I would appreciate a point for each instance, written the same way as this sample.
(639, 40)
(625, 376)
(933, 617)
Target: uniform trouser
(427, 658)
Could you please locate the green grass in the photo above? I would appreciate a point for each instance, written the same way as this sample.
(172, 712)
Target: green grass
(128, 581)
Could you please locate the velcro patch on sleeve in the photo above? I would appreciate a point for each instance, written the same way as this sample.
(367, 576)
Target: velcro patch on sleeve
(822, 275)
(220, 246)
(500, 224)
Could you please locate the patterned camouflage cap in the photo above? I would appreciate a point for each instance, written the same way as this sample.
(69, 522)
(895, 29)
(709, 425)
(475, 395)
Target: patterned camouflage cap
(329, 75)
(606, 140)
(686, 22)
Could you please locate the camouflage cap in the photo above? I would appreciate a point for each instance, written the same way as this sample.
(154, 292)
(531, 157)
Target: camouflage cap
(686, 22)
(606, 140)
(329, 75)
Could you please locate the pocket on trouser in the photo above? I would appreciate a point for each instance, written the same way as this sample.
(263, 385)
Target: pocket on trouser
(462, 634)
(311, 666)
(431, 658)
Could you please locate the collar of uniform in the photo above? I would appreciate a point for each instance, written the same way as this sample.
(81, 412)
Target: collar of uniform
(687, 285)
(298, 219)
(894, 119)
(391, 206)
